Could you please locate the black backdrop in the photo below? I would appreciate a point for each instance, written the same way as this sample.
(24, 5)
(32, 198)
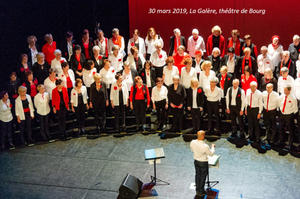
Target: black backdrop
(21, 18)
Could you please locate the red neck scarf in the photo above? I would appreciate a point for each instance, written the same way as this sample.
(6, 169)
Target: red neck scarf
(236, 47)
(222, 82)
(243, 63)
(117, 41)
(289, 64)
(176, 43)
(79, 67)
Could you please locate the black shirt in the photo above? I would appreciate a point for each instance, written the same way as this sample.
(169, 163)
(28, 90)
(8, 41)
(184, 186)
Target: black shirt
(62, 102)
(80, 99)
(216, 41)
(121, 103)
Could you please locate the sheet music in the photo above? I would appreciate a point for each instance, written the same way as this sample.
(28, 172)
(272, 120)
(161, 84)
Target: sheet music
(213, 160)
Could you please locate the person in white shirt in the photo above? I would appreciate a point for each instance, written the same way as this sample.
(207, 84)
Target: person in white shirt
(107, 74)
(270, 101)
(49, 82)
(151, 39)
(297, 88)
(264, 62)
(284, 79)
(6, 119)
(206, 74)
(79, 104)
(128, 75)
(187, 73)
(275, 50)
(116, 40)
(88, 74)
(119, 96)
(67, 76)
(253, 110)
(25, 114)
(102, 43)
(195, 102)
(235, 104)
(138, 42)
(201, 151)
(57, 61)
(135, 59)
(32, 49)
(213, 95)
(195, 43)
(41, 103)
(116, 58)
(197, 62)
(288, 108)
(159, 98)
(158, 59)
(298, 66)
(169, 71)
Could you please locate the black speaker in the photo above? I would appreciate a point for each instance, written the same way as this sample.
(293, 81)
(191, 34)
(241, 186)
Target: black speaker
(130, 187)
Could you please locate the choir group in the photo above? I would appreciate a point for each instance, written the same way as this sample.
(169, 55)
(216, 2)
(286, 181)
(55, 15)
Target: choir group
(217, 79)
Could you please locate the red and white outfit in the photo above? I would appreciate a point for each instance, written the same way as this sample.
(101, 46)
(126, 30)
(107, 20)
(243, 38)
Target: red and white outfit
(56, 65)
(245, 83)
(116, 61)
(119, 41)
(194, 45)
(88, 77)
(103, 45)
(108, 76)
(140, 43)
(263, 63)
(68, 82)
(282, 82)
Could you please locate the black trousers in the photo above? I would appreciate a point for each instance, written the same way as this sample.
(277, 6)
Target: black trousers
(61, 117)
(234, 116)
(6, 131)
(140, 111)
(223, 106)
(287, 123)
(201, 169)
(270, 124)
(100, 116)
(25, 125)
(161, 112)
(80, 115)
(158, 71)
(213, 109)
(253, 125)
(44, 126)
(196, 118)
(119, 112)
(177, 118)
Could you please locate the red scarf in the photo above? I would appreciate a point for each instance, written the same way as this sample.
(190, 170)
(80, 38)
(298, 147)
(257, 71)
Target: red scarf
(117, 41)
(106, 48)
(243, 63)
(79, 67)
(222, 82)
(289, 64)
(176, 43)
(237, 45)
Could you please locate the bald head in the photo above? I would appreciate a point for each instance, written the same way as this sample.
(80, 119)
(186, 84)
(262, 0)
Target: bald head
(201, 135)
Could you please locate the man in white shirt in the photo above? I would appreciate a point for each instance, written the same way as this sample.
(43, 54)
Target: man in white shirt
(285, 79)
(158, 59)
(288, 108)
(270, 101)
(201, 152)
(195, 43)
(235, 103)
(254, 108)
(264, 62)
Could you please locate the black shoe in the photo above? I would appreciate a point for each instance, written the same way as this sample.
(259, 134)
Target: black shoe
(11, 146)
(82, 132)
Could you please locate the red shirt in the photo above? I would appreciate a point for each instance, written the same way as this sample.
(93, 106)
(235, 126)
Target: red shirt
(56, 98)
(48, 50)
(209, 45)
(33, 90)
(178, 61)
(140, 95)
(86, 50)
(246, 82)
(69, 82)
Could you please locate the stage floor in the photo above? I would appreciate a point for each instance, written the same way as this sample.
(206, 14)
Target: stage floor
(86, 169)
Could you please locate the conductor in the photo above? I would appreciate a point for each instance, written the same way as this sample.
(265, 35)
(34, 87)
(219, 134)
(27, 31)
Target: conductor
(201, 152)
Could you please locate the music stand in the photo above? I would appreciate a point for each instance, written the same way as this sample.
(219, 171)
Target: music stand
(213, 161)
(155, 154)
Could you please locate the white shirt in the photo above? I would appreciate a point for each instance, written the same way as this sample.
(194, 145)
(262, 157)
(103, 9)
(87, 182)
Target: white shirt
(49, 86)
(291, 105)
(215, 95)
(263, 63)
(140, 41)
(131, 61)
(74, 96)
(281, 84)
(270, 100)
(169, 74)
(193, 46)
(56, 65)
(151, 44)
(41, 103)
(186, 77)
(231, 64)
(233, 98)
(88, 76)
(255, 100)
(116, 61)
(195, 91)
(70, 49)
(33, 55)
(111, 44)
(148, 78)
(63, 77)
(158, 60)
(298, 68)
(5, 111)
(19, 107)
(127, 79)
(102, 46)
(297, 88)
(198, 66)
(275, 54)
(201, 150)
(108, 76)
(114, 94)
(159, 94)
(204, 81)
